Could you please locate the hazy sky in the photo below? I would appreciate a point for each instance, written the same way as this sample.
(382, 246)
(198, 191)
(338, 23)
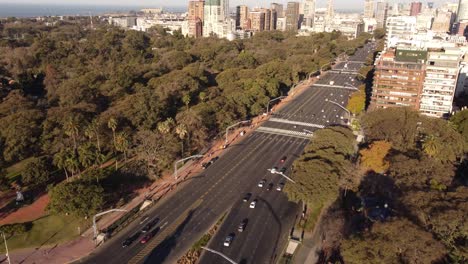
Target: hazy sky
(342, 4)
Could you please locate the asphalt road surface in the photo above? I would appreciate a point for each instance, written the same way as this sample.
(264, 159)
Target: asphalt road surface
(187, 214)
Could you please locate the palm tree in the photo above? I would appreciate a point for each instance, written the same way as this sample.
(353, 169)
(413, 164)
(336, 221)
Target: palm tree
(186, 100)
(60, 161)
(122, 143)
(166, 126)
(72, 163)
(92, 131)
(112, 124)
(71, 129)
(181, 131)
(431, 146)
(86, 155)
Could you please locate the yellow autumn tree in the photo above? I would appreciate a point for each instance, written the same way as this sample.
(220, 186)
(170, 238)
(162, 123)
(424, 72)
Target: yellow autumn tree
(357, 101)
(373, 158)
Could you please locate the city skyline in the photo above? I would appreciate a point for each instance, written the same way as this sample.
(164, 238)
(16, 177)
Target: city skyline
(338, 4)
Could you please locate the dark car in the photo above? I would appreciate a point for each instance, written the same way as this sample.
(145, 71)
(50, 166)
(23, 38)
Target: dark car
(150, 225)
(270, 186)
(283, 170)
(242, 225)
(211, 161)
(247, 197)
(205, 165)
(129, 240)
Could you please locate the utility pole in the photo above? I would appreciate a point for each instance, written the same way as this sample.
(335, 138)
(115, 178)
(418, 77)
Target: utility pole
(6, 249)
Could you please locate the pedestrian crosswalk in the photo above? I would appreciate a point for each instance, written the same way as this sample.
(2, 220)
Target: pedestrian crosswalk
(284, 132)
(336, 86)
(298, 123)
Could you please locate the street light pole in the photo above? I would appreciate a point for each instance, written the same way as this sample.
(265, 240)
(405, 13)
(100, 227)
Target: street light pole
(219, 254)
(282, 174)
(340, 106)
(275, 99)
(182, 160)
(103, 213)
(352, 86)
(6, 248)
(231, 126)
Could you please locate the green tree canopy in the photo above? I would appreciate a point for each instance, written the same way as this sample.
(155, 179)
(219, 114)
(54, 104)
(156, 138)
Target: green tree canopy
(80, 198)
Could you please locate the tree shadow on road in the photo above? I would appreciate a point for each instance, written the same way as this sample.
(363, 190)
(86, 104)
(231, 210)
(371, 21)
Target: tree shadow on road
(164, 249)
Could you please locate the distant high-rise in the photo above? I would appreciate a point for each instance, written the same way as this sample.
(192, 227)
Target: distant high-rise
(381, 14)
(415, 8)
(292, 16)
(442, 22)
(257, 18)
(278, 8)
(369, 8)
(462, 14)
(330, 10)
(195, 18)
(242, 17)
(309, 12)
(213, 17)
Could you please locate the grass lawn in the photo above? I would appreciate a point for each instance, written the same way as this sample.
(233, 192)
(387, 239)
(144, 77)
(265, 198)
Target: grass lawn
(15, 170)
(48, 231)
(312, 218)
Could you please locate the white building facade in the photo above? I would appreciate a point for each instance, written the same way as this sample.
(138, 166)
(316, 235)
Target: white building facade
(400, 28)
(442, 69)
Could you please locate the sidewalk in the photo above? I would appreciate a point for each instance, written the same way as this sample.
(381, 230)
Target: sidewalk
(82, 246)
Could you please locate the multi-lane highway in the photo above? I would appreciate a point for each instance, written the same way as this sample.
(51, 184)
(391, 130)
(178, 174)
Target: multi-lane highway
(185, 215)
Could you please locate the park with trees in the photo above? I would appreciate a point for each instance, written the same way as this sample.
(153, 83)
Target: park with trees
(87, 111)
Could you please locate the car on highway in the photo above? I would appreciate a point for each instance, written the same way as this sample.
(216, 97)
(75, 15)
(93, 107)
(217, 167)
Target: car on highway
(129, 240)
(274, 170)
(280, 186)
(228, 240)
(205, 165)
(270, 186)
(283, 159)
(242, 225)
(146, 238)
(261, 183)
(150, 225)
(247, 197)
(283, 170)
(253, 203)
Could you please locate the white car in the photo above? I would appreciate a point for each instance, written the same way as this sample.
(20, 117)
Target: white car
(228, 240)
(274, 170)
(253, 203)
(279, 188)
(261, 183)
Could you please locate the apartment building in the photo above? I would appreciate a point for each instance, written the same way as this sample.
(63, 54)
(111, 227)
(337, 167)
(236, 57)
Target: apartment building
(398, 78)
(292, 16)
(442, 69)
(399, 28)
(195, 18)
